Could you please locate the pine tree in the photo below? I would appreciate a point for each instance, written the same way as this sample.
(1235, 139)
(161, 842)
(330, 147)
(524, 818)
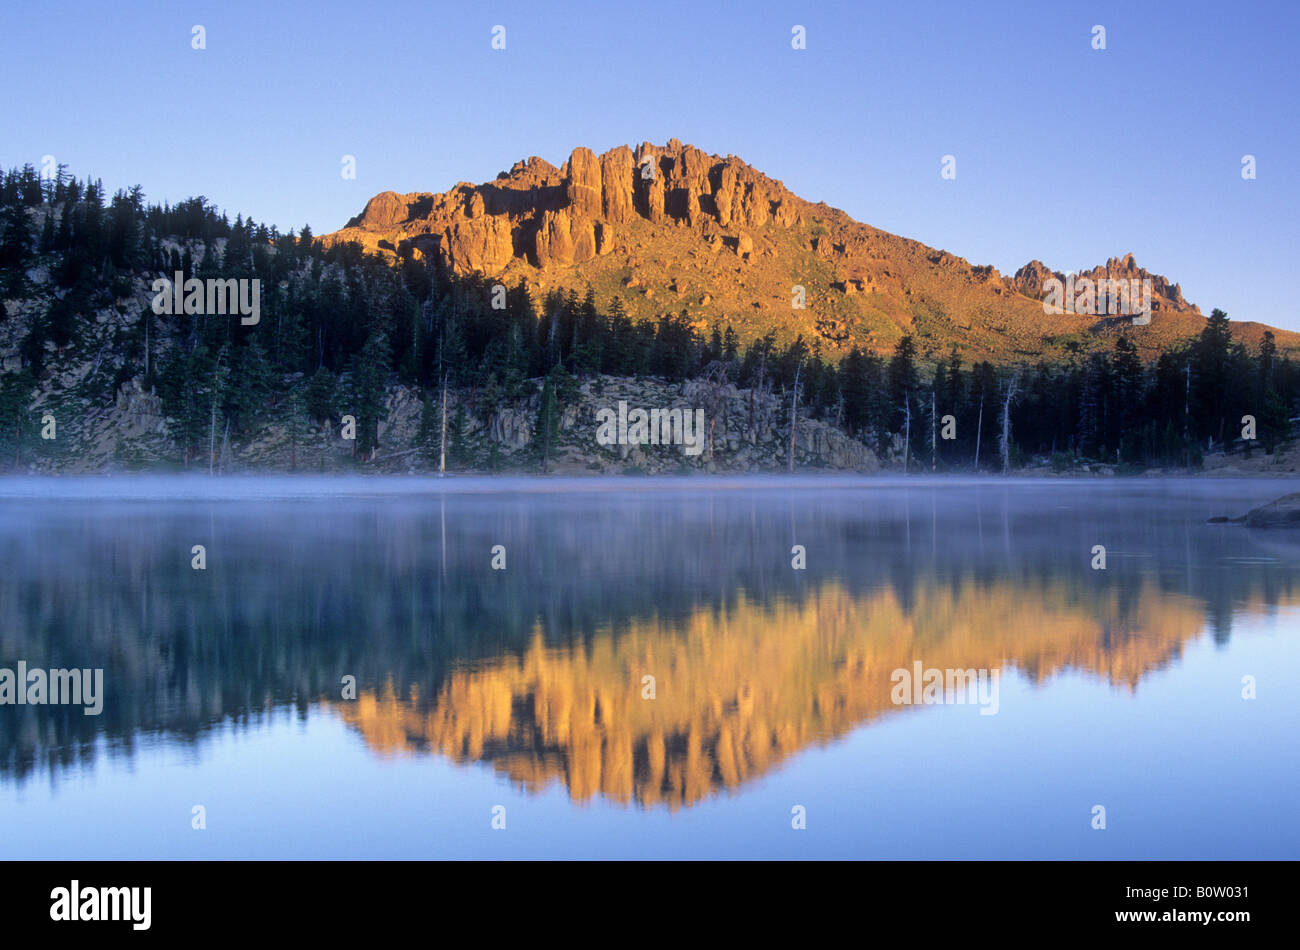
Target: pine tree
(1210, 357)
(293, 344)
(1130, 394)
(730, 344)
(457, 441)
(547, 424)
(63, 237)
(319, 396)
(46, 245)
(1267, 358)
(295, 426)
(857, 392)
(1092, 408)
(256, 381)
(429, 437)
(903, 380)
(370, 379)
(558, 388)
(14, 249)
(15, 393)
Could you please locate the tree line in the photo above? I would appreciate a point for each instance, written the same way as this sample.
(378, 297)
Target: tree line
(340, 325)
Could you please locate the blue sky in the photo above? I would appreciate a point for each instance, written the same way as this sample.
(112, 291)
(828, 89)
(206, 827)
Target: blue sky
(1063, 153)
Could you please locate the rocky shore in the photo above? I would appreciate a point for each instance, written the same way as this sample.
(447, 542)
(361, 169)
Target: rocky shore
(744, 431)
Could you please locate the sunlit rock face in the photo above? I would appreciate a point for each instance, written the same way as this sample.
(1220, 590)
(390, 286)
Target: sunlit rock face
(551, 216)
(671, 228)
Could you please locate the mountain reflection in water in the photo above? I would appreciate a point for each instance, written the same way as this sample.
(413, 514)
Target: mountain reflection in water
(538, 670)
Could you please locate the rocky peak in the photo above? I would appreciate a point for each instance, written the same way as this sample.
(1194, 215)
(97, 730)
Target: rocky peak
(670, 228)
(547, 217)
(1031, 279)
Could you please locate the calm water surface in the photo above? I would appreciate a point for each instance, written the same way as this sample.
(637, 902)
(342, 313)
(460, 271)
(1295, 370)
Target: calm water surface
(526, 687)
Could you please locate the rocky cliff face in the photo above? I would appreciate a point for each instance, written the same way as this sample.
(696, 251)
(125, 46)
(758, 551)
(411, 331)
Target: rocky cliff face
(1031, 280)
(555, 217)
(670, 228)
(749, 431)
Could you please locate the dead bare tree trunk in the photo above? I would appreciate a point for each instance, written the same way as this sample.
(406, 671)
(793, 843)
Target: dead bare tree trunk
(794, 415)
(932, 442)
(907, 429)
(442, 448)
(1004, 440)
(756, 392)
(212, 423)
(979, 429)
(715, 378)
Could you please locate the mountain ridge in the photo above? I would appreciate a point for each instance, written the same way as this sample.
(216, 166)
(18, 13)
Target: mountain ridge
(673, 229)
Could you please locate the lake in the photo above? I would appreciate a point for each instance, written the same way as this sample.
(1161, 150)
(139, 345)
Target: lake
(650, 668)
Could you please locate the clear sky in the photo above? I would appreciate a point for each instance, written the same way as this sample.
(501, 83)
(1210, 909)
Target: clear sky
(1063, 153)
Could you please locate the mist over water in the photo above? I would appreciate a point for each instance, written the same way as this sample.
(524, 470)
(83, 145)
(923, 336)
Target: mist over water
(524, 687)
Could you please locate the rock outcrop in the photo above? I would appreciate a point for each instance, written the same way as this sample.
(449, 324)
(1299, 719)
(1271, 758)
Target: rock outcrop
(549, 217)
(1282, 513)
(683, 226)
(1031, 280)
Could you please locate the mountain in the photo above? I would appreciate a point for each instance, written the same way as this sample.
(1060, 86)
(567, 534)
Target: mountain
(329, 358)
(672, 229)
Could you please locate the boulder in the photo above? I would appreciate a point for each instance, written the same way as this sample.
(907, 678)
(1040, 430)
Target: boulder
(1282, 513)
